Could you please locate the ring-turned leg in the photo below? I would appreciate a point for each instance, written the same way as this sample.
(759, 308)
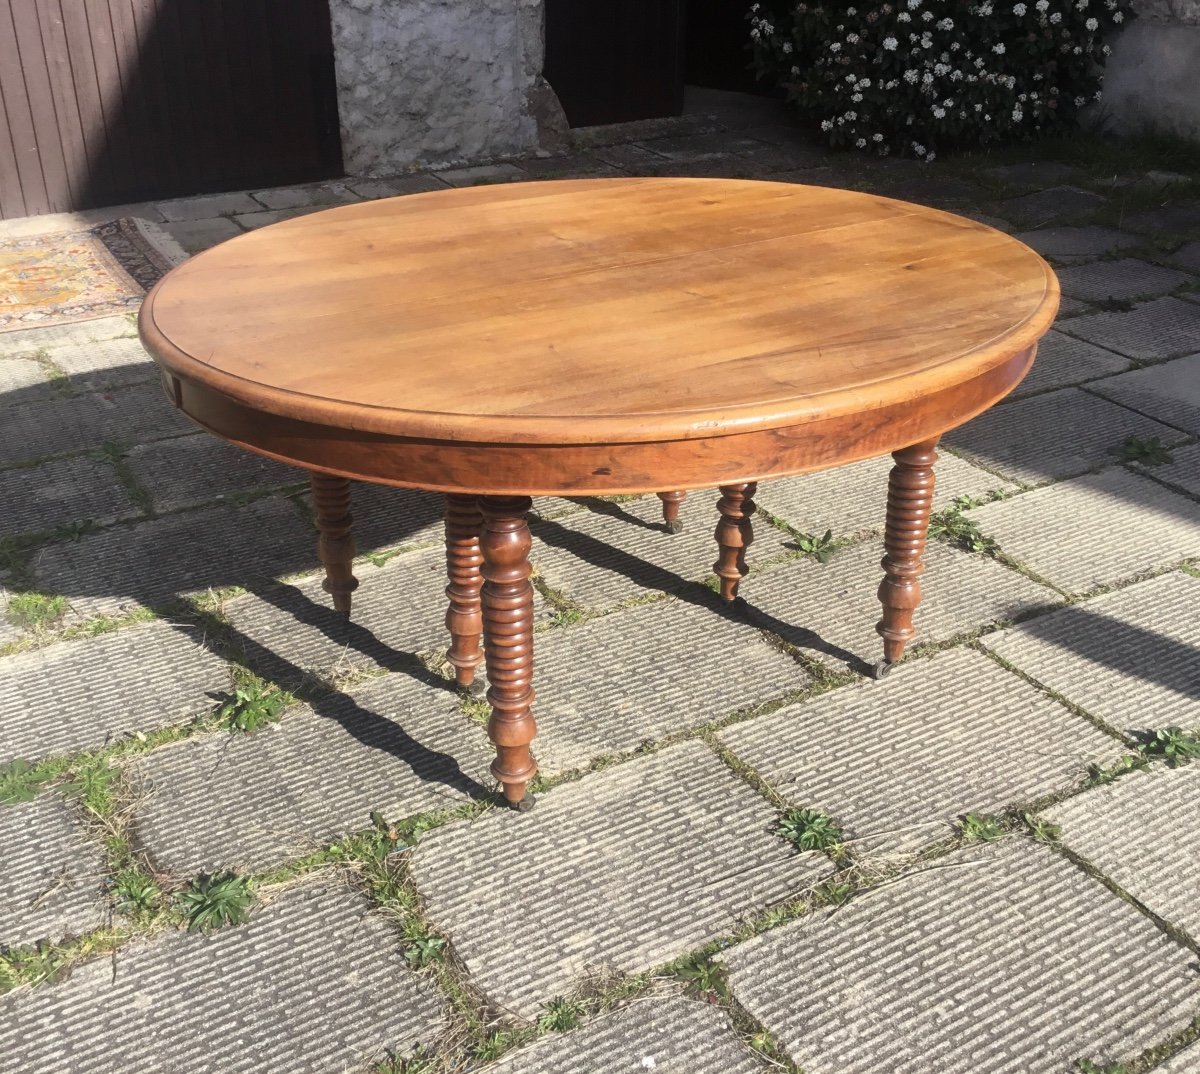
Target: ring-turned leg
(735, 532)
(671, 502)
(508, 641)
(335, 546)
(910, 502)
(464, 617)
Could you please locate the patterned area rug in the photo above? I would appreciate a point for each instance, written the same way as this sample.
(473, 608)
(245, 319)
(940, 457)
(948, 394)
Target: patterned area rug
(78, 275)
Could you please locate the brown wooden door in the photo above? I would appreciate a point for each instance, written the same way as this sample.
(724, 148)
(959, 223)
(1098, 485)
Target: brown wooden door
(615, 60)
(111, 101)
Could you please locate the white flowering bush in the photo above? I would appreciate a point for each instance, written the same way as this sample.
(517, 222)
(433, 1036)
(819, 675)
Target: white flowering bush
(914, 76)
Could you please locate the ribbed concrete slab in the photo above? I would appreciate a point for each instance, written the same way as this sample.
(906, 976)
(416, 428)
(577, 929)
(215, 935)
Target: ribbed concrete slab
(1187, 257)
(154, 563)
(1072, 243)
(1142, 832)
(1127, 657)
(628, 868)
(1133, 525)
(197, 235)
(1164, 328)
(1035, 173)
(853, 499)
(1183, 469)
(105, 363)
(1059, 434)
(252, 801)
(1004, 958)
(38, 498)
(387, 518)
(22, 379)
(898, 762)
(666, 1034)
(1048, 206)
(51, 874)
(86, 421)
(1063, 360)
(1184, 1062)
(1124, 280)
(1175, 217)
(635, 676)
(830, 610)
(59, 335)
(620, 551)
(192, 470)
(89, 693)
(1072, 307)
(313, 982)
(1168, 392)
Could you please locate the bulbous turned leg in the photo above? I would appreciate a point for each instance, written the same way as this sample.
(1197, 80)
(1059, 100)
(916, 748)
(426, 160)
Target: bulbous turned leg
(464, 617)
(335, 546)
(910, 502)
(508, 641)
(735, 532)
(671, 502)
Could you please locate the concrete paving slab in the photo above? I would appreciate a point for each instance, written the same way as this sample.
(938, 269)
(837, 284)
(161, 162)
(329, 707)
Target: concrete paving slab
(1035, 173)
(39, 498)
(1004, 957)
(197, 235)
(253, 221)
(249, 802)
(313, 982)
(1184, 1062)
(638, 675)
(153, 564)
(853, 499)
(92, 692)
(481, 173)
(1169, 392)
(1151, 332)
(371, 189)
(1125, 280)
(628, 868)
(47, 427)
(205, 207)
(1187, 257)
(620, 551)
(22, 379)
(386, 518)
(295, 197)
(1063, 360)
(1176, 217)
(104, 363)
(51, 874)
(1055, 204)
(1069, 307)
(666, 1034)
(75, 333)
(192, 470)
(829, 611)
(1132, 525)
(1052, 436)
(1183, 470)
(1128, 657)
(1140, 831)
(897, 763)
(1077, 243)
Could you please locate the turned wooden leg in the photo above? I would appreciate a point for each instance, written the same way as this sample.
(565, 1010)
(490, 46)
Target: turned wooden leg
(671, 502)
(508, 640)
(335, 546)
(464, 617)
(910, 501)
(735, 532)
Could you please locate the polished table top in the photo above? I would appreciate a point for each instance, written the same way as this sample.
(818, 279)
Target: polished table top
(603, 312)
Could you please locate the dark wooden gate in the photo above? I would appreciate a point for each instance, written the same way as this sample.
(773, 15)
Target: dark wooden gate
(615, 60)
(111, 101)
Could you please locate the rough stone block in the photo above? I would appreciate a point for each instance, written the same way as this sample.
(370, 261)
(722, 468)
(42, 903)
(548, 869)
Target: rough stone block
(635, 676)
(314, 982)
(22, 379)
(1077, 243)
(898, 762)
(1141, 831)
(38, 498)
(1125, 280)
(1004, 958)
(1094, 530)
(154, 563)
(192, 470)
(1183, 471)
(296, 197)
(197, 235)
(207, 206)
(386, 518)
(1048, 206)
(249, 802)
(89, 693)
(74, 333)
(1128, 657)
(668, 1034)
(1164, 328)
(1052, 436)
(628, 868)
(51, 874)
(619, 551)
(1168, 392)
(105, 363)
(1063, 360)
(853, 499)
(830, 610)
(61, 426)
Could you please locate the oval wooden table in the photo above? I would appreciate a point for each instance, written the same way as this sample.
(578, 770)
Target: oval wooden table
(597, 337)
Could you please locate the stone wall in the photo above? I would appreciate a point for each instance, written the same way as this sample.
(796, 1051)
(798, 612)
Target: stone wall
(436, 81)
(1153, 74)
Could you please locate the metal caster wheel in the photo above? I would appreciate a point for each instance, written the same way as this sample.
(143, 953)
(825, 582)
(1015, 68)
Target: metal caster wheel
(674, 527)
(476, 688)
(882, 669)
(525, 804)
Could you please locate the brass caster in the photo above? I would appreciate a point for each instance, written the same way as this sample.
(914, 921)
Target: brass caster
(882, 669)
